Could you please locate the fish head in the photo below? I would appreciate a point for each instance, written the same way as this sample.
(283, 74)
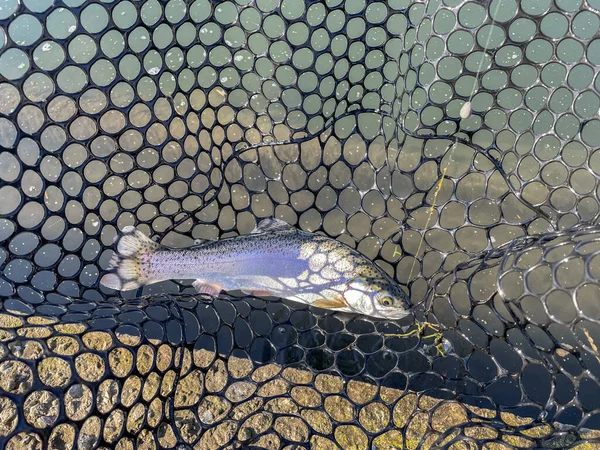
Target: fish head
(391, 302)
(377, 299)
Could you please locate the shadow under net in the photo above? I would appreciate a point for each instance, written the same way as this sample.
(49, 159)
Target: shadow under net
(197, 119)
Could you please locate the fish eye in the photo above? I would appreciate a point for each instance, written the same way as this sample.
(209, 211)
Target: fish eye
(387, 301)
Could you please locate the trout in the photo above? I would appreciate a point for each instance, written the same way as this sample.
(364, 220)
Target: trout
(274, 260)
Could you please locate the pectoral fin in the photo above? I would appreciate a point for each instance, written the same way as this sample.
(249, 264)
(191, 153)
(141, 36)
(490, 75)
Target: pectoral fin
(207, 288)
(331, 303)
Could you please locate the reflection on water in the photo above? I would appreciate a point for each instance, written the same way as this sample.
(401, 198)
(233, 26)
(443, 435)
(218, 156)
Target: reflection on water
(113, 115)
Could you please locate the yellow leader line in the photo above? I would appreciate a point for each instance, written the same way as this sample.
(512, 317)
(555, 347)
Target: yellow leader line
(431, 210)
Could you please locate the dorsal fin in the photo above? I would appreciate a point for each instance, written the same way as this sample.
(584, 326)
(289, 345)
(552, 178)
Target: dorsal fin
(271, 225)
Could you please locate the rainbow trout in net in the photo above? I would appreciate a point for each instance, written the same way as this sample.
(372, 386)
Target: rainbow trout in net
(274, 260)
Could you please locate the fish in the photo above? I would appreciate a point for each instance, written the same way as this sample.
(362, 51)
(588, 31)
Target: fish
(274, 260)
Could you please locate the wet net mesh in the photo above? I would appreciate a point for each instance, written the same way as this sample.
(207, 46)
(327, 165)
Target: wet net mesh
(452, 142)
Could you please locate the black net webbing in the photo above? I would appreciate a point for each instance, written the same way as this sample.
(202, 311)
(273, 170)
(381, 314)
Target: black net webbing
(452, 142)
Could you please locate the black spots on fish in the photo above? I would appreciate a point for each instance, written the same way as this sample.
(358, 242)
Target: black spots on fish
(376, 283)
(328, 246)
(367, 271)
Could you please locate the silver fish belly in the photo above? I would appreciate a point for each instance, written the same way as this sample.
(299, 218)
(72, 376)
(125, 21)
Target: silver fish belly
(274, 260)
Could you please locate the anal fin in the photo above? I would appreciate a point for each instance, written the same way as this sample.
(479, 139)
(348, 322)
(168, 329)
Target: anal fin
(203, 287)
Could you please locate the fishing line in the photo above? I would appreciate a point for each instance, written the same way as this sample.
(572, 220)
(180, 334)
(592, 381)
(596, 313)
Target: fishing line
(464, 113)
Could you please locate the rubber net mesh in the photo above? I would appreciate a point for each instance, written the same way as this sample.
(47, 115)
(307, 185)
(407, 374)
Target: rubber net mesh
(350, 118)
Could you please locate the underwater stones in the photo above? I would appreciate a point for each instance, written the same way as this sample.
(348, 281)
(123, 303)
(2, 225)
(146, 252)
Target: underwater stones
(351, 437)
(144, 359)
(306, 396)
(318, 420)
(90, 366)
(62, 437)
(239, 367)
(15, 377)
(482, 432)
(403, 410)
(124, 443)
(168, 383)
(184, 356)
(254, 426)
(321, 443)
(26, 349)
(8, 416)
(448, 415)
(243, 410)
(89, 434)
(164, 357)
(113, 426)
(151, 386)
(10, 321)
(216, 377)
(25, 441)
(54, 372)
(266, 372)
(132, 388)
(417, 426)
(166, 436)
(63, 345)
(217, 437)
(282, 405)
(268, 441)
(339, 408)
(239, 391)
(120, 361)
(272, 406)
(188, 425)
(273, 388)
(203, 357)
(6, 335)
(41, 409)
(213, 409)
(70, 328)
(389, 395)
(135, 418)
(390, 440)
(291, 428)
(78, 402)
(97, 340)
(361, 392)
(374, 417)
(146, 439)
(34, 332)
(189, 390)
(155, 412)
(297, 376)
(107, 395)
(128, 335)
(329, 384)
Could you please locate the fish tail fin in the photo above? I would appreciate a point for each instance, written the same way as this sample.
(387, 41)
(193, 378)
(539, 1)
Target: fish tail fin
(130, 262)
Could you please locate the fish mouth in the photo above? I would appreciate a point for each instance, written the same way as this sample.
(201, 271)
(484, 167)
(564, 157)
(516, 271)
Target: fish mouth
(393, 313)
